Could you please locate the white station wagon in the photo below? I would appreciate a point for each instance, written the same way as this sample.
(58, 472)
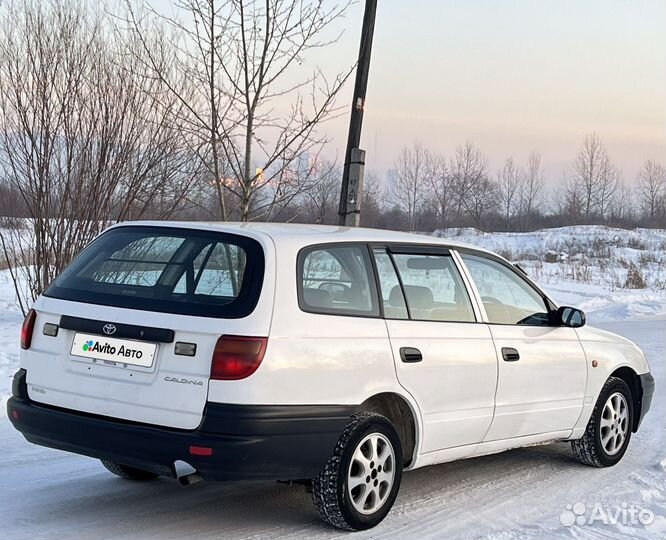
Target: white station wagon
(335, 357)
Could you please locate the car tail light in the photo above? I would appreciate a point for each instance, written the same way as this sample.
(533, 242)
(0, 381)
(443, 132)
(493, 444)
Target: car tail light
(237, 357)
(27, 328)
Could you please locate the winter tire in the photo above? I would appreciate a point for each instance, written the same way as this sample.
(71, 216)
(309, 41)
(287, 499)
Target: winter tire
(609, 430)
(357, 487)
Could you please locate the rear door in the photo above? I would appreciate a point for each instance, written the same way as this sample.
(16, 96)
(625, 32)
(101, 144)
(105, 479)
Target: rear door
(138, 315)
(542, 367)
(443, 357)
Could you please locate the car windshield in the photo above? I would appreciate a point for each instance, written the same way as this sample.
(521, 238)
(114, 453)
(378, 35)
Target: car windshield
(166, 269)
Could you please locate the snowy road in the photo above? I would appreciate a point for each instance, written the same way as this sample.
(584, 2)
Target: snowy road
(517, 494)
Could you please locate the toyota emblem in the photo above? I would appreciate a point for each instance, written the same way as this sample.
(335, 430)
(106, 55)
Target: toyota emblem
(109, 329)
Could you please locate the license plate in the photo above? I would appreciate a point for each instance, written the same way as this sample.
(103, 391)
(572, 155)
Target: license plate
(114, 351)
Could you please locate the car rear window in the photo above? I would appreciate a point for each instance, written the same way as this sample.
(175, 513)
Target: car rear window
(167, 269)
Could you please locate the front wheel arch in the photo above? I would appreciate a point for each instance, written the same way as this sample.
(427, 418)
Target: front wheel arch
(629, 376)
(592, 447)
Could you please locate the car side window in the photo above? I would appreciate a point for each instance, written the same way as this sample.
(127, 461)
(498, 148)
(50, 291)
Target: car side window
(392, 298)
(433, 288)
(337, 280)
(507, 297)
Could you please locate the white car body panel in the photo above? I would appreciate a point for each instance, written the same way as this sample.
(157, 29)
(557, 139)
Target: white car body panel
(488, 447)
(611, 352)
(544, 390)
(454, 384)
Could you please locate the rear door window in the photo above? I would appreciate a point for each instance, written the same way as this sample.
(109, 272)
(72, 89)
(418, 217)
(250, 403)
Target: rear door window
(337, 280)
(433, 288)
(392, 299)
(166, 269)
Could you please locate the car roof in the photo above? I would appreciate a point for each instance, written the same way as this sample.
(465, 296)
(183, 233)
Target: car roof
(301, 235)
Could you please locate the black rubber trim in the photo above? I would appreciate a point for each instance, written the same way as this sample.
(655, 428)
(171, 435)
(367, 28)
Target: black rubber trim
(19, 386)
(275, 419)
(418, 249)
(129, 331)
(253, 442)
(647, 384)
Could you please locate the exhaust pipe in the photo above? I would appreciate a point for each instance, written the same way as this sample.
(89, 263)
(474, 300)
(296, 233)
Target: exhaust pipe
(189, 479)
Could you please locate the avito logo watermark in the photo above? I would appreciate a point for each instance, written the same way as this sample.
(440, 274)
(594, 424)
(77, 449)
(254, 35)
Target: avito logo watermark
(627, 514)
(113, 351)
(106, 348)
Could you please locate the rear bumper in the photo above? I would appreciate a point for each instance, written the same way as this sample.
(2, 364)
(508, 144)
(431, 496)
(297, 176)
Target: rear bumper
(246, 442)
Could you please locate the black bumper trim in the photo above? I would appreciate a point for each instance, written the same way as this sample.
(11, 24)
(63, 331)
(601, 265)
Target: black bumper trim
(249, 442)
(19, 386)
(647, 385)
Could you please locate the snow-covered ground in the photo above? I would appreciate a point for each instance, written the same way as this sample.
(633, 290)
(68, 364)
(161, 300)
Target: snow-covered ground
(521, 494)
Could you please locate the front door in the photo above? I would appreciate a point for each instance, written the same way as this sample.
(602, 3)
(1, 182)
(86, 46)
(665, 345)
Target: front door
(542, 367)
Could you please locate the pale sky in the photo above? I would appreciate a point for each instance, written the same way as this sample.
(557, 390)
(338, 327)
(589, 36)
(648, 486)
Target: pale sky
(513, 76)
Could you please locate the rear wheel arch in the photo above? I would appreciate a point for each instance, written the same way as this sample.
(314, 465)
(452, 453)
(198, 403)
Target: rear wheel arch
(629, 376)
(401, 414)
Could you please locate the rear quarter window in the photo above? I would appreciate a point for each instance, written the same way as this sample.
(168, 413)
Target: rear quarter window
(165, 269)
(337, 280)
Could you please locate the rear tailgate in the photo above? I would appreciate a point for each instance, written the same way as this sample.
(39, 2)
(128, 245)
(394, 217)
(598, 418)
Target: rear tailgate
(171, 391)
(130, 310)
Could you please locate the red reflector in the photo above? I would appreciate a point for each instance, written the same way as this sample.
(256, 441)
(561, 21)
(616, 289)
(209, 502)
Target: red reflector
(15, 414)
(201, 451)
(27, 328)
(237, 357)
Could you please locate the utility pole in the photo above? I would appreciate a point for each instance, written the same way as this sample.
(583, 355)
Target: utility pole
(349, 210)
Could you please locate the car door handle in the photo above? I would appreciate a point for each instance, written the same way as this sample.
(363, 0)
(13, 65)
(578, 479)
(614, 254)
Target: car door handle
(510, 354)
(410, 355)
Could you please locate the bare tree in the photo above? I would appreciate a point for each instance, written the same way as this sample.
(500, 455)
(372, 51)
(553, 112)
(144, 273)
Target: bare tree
(481, 200)
(251, 105)
(652, 191)
(509, 181)
(79, 141)
(532, 188)
(609, 182)
(321, 199)
(621, 208)
(443, 189)
(412, 181)
(595, 178)
(570, 198)
(373, 195)
(469, 174)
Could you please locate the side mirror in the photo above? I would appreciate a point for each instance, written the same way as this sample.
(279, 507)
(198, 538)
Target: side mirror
(571, 317)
